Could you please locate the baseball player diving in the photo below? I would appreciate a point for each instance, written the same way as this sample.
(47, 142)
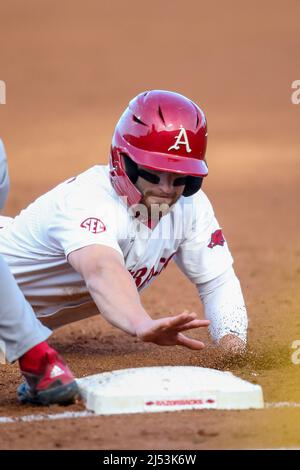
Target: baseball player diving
(92, 243)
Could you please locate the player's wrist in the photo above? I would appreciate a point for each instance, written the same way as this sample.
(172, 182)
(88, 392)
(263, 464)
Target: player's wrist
(142, 327)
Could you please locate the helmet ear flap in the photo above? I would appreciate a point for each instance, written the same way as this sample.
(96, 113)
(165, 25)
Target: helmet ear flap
(131, 168)
(193, 185)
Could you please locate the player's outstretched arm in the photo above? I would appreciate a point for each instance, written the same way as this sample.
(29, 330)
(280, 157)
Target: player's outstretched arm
(117, 298)
(224, 306)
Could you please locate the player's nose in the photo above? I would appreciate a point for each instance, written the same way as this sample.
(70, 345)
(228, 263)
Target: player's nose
(166, 183)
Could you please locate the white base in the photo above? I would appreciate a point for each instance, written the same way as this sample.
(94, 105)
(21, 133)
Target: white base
(154, 389)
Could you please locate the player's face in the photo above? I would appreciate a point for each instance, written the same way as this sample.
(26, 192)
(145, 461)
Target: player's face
(162, 188)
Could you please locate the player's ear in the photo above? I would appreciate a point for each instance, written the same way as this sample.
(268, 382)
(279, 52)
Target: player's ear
(193, 184)
(131, 168)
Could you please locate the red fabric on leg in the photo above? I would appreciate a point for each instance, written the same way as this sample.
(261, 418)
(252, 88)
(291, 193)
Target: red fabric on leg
(34, 359)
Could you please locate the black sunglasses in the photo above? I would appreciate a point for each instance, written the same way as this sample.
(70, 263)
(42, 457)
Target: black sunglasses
(155, 179)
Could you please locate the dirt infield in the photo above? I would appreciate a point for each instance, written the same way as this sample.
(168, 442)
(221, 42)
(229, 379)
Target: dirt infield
(69, 73)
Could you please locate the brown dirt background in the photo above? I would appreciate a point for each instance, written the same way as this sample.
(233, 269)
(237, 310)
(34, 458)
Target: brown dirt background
(70, 69)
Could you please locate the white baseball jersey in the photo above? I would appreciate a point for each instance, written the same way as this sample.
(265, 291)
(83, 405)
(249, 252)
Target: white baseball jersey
(86, 210)
(4, 179)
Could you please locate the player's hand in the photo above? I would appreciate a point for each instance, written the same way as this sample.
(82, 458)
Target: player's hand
(168, 331)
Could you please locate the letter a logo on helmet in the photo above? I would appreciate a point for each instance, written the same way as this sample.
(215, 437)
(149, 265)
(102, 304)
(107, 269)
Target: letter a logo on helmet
(185, 141)
(162, 131)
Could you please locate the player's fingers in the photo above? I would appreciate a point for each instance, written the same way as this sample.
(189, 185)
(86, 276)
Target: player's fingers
(181, 319)
(189, 343)
(172, 323)
(193, 324)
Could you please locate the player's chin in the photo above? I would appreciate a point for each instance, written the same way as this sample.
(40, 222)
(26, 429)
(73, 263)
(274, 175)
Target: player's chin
(161, 203)
(159, 200)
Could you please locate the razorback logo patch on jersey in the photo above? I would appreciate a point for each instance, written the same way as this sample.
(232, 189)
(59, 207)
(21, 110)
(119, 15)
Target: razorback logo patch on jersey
(94, 225)
(217, 238)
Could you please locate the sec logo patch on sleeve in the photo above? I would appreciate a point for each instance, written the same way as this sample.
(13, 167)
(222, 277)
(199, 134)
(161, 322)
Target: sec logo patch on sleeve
(94, 225)
(217, 238)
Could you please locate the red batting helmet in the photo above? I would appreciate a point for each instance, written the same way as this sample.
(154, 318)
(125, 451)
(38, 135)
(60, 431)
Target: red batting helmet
(163, 131)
